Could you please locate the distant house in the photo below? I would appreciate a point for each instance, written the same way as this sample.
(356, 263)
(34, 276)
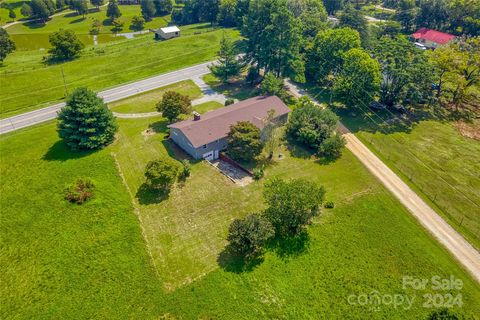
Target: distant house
(431, 39)
(204, 136)
(167, 33)
(128, 1)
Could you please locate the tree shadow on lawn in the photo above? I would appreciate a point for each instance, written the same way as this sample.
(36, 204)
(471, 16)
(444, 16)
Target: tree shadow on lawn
(297, 150)
(285, 248)
(147, 195)
(77, 20)
(159, 126)
(35, 24)
(59, 151)
(231, 261)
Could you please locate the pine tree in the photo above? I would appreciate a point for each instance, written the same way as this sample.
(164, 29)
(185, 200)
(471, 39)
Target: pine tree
(228, 65)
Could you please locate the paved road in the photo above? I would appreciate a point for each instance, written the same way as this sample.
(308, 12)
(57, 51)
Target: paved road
(110, 95)
(463, 251)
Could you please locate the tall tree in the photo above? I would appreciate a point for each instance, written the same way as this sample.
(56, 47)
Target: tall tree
(40, 10)
(228, 65)
(311, 14)
(406, 14)
(26, 10)
(227, 13)
(7, 45)
(333, 6)
(208, 10)
(249, 235)
(356, 20)
(359, 79)
(292, 204)
(148, 9)
(86, 122)
(113, 11)
(244, 141)
(65, 45)
(326, 54)
(406, 71)
(273, 39)
(163, 7)
(81, 6)
(173, 104)
(97, 3)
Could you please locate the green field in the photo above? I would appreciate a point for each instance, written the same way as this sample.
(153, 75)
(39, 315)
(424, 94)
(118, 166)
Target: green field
(16, 5)
(34, 36)
(437, 161)
(28, 84)
(69, 261)
(146, 102)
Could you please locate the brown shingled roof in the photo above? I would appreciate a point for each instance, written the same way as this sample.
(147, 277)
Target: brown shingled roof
(215, 125)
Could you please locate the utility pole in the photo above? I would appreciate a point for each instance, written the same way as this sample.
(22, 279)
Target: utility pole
(64, 82)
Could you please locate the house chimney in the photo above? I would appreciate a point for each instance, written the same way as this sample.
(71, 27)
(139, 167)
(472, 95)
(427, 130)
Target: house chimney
(196, 116)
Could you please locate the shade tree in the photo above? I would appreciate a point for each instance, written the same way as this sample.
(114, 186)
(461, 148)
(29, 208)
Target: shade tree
(244, 141)
(173, 104)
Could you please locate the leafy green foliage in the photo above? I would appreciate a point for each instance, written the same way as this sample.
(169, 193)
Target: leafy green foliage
(86, 122)
(138, 23)
(228, 65)
(42, 9)
(309, 124)
(96, 3)
(161, 174)
(229, 102)
(273, 39)
(327, 52)
(272, 85)
(113, 11)
(163, 7)
(311, 14)
(185, 170)
(244, 141)
(65, 45)
(258, 173)
(332, 146)
(359, 79)
(444, 314)
(249, 235)
(7, 45)
(148, 9)
(292, 204)
(406, 71)
(355, 19)
(332, 6)
(81, 6)
(117, 25)
(173, 104)
(80, 191)
(329, 205)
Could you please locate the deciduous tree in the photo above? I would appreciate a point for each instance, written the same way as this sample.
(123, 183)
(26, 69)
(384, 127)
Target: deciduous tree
(113, 11)
(7, 45)
(65, 45)
(138, 23)
(161, 174)
(148, 9)
(249, 235)
(292, 204)
(163, 7)
(356, 20)
(359, 79)
(173, 104)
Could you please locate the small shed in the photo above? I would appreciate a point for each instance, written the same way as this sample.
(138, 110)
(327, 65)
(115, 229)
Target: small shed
(167, 33)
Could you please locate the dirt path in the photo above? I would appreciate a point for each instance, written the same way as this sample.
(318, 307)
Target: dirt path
(463, 251)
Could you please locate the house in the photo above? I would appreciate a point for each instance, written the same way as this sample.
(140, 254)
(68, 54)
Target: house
(167, 33)
(431, 39)
(204, 136)
(123, 2)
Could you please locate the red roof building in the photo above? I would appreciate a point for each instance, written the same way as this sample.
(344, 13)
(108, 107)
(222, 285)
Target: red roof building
(432, 38)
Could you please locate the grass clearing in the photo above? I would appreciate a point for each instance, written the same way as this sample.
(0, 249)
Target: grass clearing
(207, 106)
(146, 102)
(99, 68)
(437, 161)
(68, 261)
(238, 89)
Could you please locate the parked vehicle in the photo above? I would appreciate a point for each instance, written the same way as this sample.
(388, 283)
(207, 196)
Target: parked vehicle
(377, 105)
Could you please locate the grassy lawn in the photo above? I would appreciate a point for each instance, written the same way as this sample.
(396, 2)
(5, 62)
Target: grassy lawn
(68, 261)
(98, 68)
(16, 5)
(435, 159)
(238, 89)
(146, 102)
(207, 106)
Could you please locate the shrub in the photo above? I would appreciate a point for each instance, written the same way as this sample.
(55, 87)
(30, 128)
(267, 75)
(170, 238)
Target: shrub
(80, 191)
(249, 235)
(229, 102)
(161, 174)
(329, 205)
(185, 170)
(332, 146)
(258, 173)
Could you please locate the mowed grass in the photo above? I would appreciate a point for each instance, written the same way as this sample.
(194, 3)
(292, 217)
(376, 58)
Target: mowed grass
(207, 106)
(15, 5)
(62, 260)
(67, 261)
(34, 35)
(442, 165)
(146, 102)
(28, 84)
